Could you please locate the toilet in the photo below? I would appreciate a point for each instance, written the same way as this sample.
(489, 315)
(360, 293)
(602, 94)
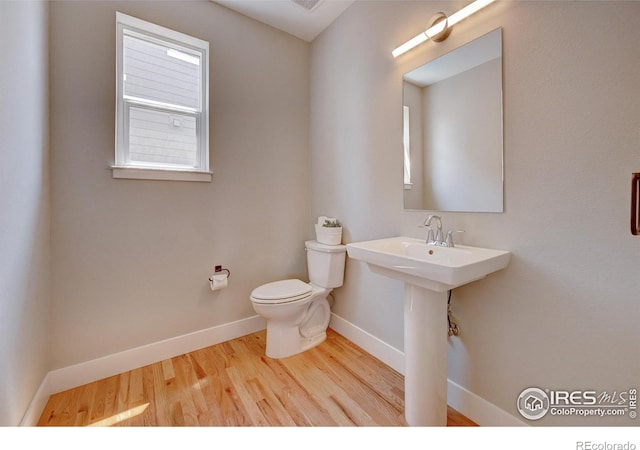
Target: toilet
(298, 313)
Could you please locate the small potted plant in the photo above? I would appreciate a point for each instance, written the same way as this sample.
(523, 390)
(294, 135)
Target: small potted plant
(329, 231)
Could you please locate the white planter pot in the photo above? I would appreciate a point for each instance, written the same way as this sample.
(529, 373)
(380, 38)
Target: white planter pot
(329, 235)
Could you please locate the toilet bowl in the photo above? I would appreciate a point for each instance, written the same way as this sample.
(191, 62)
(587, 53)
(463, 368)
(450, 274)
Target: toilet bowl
(298, 313)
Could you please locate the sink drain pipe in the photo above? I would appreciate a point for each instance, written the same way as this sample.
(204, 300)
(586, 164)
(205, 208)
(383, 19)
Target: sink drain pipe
(454, 329)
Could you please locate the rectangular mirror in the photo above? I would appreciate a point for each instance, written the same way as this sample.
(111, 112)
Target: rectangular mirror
(452, 130)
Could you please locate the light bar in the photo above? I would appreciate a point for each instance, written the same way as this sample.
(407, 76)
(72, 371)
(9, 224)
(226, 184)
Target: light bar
(411, 43)
(441, 26)
(468, 10)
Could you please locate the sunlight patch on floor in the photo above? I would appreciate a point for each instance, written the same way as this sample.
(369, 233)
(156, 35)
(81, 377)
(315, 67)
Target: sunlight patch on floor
(120, 417)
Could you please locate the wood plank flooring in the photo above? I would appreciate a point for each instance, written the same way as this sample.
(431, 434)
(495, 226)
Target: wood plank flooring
(235, 384)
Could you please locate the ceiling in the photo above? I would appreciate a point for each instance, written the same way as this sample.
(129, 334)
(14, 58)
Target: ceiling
(289, 16)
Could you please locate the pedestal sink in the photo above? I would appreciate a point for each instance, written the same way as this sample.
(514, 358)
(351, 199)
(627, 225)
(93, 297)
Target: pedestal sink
(428, 272)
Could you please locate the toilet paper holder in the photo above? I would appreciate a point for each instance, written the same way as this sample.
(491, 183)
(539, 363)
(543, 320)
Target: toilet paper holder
(219, 280)
(219, 269)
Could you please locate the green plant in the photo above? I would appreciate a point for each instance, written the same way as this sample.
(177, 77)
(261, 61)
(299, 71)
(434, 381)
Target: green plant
(334, 223)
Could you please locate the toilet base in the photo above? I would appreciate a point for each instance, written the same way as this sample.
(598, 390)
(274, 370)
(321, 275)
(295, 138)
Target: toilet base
(284, 339)
(314, 341)
(282, 344)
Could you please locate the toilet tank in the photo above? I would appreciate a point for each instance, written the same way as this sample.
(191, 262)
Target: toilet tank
(325, 264)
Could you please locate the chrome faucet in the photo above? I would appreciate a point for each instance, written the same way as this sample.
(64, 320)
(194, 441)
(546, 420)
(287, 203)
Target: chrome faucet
(437, 237)
(434, 238)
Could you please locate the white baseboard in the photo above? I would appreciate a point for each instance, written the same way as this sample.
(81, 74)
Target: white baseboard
(466, 402)
(69, 377)
(479, 410)
(389, 355)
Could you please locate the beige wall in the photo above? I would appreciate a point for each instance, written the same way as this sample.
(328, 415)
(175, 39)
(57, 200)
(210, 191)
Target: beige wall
(24, 206)
(564, 314)
(464, 168)
(131, 258)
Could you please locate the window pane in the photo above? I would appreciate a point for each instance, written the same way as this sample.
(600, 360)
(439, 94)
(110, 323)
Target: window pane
(159, 137)
(406, 133)
(160, 73)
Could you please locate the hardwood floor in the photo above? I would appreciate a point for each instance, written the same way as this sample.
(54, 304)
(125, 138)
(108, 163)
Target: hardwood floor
(235, 384)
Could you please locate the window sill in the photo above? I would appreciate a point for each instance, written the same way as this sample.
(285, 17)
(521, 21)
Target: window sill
(144, 173)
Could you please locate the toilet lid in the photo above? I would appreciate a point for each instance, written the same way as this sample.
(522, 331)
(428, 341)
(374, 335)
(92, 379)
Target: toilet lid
(281, 292)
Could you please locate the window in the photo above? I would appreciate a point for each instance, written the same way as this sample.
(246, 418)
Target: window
(162, 124)
(406, 143)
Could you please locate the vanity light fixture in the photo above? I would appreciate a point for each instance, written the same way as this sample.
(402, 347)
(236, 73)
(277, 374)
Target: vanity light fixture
(440, 26)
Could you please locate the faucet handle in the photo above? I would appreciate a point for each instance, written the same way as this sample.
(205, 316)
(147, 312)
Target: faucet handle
(430, 237)
(449, 241)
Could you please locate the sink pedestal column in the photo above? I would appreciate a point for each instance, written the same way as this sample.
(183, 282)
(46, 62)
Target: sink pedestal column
(425, 355)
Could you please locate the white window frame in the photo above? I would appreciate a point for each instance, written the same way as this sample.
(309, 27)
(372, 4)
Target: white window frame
(123, 167)
(406, 144)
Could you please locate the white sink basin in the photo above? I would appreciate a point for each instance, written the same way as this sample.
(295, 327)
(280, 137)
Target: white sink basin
(427, 265)
(428, 271)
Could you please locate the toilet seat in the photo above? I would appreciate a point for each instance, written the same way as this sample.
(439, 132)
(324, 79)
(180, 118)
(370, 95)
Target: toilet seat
(284, 291)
